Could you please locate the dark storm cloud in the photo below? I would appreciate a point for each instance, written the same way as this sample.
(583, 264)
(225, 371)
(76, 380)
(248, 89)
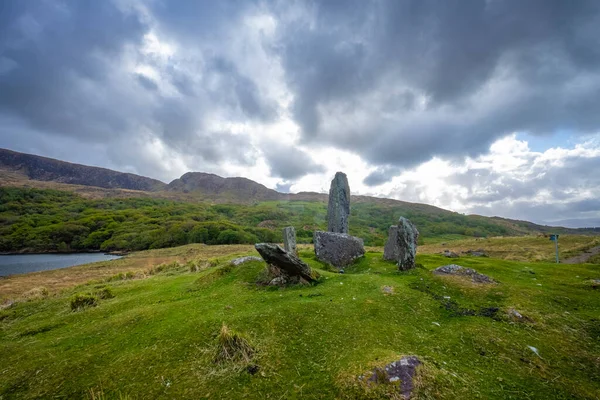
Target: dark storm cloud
(63, 73)
(381, 175)
(289, 162)
(240, 91)
(342, 60)
(57, 50)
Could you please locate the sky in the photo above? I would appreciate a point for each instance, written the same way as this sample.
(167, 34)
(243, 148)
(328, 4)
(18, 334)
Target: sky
(482, 107)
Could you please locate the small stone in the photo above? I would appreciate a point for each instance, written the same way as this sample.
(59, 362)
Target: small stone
(477, 253)
(279, 281)
(387, 289)
(515, 313)
(450, 254)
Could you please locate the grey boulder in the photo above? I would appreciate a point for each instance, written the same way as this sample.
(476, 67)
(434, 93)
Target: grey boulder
(337, 249)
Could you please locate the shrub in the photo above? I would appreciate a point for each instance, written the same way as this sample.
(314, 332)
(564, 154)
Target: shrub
(82, 300)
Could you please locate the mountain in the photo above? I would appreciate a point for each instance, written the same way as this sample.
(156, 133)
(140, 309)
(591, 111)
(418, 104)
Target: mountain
(211, 186)
(48, 169)
(31, 171)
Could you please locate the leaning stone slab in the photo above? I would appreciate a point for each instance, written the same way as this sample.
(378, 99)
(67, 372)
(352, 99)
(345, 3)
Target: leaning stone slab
(241, 260)
(288, 263)
(338, 209)
(453, 269)
(402, 244)
(289, 240)
(402, 371)
(337, 249)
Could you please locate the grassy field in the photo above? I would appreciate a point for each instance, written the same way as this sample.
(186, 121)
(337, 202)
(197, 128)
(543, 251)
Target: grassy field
(158, 337)
(522, 248)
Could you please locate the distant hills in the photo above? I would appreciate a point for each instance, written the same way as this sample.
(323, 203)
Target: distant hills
(48, 169)
(27, 170)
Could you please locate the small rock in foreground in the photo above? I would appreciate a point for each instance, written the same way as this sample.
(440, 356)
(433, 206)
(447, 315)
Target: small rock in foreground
(453, 269)
(402, 370)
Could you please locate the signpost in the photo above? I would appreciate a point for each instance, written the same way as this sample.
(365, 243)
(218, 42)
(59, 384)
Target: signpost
(555, 239)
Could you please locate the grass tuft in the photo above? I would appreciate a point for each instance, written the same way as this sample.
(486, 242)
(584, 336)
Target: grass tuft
(232, 347)
(104, 293)
(37, 293)
(82, 300)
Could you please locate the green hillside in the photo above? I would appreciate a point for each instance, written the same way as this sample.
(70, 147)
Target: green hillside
(158, 337)
(37, 220)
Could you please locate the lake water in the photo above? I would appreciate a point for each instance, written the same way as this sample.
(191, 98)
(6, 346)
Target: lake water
(22, 263)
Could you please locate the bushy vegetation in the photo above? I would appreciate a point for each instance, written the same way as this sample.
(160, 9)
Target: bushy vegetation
(48, 220)
(81, 300)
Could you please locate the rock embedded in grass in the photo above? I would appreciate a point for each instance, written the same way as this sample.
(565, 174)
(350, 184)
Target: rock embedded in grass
(337, 249)
(242, 260)
(476, 253)
(402, 371)
(450, 254)
(457, 270)
(401, 245)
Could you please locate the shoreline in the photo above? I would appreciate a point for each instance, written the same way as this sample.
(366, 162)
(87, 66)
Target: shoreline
(108, 253)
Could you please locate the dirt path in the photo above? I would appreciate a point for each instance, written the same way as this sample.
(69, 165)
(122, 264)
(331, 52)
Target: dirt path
(583, 257)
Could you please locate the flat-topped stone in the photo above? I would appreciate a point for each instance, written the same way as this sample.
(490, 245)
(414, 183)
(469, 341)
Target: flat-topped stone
(337, 249)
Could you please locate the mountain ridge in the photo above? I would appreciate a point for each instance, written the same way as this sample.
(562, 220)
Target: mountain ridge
(30, 170)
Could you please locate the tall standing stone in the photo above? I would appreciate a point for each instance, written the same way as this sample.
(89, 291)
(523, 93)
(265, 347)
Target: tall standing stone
(402, 244)
(289, 240)
(338, 209)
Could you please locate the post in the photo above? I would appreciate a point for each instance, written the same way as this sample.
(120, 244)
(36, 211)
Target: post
(555, 239)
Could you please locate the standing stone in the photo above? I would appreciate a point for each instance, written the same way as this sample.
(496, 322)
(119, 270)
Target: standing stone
(391, 251)
(289, 240)
(402, 244)
(338, 209)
